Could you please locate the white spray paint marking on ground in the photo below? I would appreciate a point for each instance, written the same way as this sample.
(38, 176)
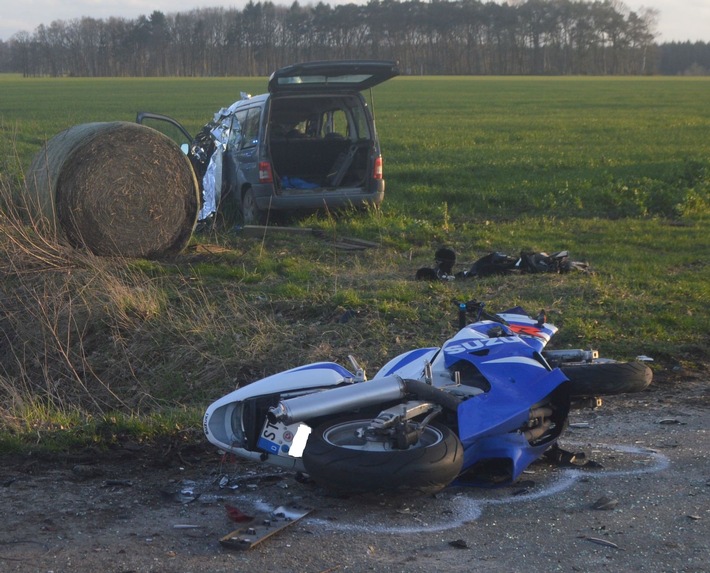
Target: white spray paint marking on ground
(463, 509)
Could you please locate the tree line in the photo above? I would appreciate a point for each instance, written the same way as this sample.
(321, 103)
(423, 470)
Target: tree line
(467, 37)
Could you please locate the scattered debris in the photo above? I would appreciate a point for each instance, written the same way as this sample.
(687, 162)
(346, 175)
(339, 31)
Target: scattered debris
(237, 515)
(264, 525)
(258, 231)
(599, 541)
(605, 503)
(563, 458)
(117, 483)
(183, 496)
(343, 243)
(499, 264)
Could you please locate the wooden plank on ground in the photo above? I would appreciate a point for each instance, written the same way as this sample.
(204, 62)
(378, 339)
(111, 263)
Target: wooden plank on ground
(263, 526)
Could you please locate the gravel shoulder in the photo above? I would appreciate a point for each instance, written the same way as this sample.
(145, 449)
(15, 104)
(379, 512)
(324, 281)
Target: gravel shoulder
(646, 508)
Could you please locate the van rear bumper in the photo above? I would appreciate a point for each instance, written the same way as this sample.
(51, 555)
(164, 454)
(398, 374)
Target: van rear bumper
(314, 199)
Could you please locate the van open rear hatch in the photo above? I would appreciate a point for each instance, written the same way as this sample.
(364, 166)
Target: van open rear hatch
(350, 75)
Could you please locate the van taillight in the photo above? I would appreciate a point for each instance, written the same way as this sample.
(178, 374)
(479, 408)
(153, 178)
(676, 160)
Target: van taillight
(265, 175)
(377, 174)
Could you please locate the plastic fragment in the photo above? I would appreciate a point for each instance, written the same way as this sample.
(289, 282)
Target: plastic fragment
(236, 514)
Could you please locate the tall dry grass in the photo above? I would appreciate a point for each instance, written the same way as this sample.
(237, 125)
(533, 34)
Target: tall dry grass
(82, 335)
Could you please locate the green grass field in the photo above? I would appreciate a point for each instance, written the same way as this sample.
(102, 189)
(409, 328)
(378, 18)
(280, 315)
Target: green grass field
(498, 147)
(615, 170)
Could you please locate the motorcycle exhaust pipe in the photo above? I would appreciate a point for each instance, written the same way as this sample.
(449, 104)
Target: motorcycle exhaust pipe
(358, 395)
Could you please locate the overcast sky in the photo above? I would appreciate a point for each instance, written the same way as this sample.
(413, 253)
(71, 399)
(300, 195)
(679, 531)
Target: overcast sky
(679, 20)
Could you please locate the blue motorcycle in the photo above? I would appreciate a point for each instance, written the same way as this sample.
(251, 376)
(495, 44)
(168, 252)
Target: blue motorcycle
(485, 405)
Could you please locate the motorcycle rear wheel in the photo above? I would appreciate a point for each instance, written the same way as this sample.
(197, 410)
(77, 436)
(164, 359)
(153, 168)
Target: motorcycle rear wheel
(606, 378)
(338, 459)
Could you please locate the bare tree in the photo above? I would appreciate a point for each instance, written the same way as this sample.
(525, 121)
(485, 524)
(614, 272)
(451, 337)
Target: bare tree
(426, 36)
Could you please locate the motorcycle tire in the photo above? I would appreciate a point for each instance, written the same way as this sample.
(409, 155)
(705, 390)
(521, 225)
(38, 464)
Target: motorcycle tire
(336, 458)
(606, 378)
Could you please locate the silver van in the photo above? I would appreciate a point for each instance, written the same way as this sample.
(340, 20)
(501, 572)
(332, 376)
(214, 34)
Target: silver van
(309, 143)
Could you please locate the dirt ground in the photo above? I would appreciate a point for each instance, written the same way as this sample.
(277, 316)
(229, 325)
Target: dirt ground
(645, 507)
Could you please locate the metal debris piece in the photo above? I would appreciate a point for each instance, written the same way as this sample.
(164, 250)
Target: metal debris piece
(670, 421)
(344, 243)
(184, 496)
(580, 425)
(258, 231)
(694, 517)
(605, 503)
(603, 542)
(459, 544)
(263, 526)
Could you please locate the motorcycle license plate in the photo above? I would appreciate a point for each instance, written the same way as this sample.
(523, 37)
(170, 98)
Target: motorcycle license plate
(283, 440)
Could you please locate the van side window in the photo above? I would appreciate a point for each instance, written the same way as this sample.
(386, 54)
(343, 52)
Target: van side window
(360, 123)
(249, 120)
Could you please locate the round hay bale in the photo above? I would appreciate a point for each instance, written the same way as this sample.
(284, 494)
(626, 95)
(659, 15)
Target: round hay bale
(117, 188)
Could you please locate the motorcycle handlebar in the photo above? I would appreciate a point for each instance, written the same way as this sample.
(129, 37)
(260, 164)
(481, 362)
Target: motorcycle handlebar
(474, 306)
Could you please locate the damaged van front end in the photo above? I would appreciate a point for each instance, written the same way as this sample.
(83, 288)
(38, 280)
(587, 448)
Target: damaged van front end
(310, 143)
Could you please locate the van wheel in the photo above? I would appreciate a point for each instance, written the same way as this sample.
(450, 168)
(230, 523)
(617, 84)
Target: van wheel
(251, 214)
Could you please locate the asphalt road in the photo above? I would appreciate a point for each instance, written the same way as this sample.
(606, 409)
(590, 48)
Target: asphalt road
(643, 505)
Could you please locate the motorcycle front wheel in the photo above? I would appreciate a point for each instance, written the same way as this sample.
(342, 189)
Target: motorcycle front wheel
(339, 456)
(606, 378)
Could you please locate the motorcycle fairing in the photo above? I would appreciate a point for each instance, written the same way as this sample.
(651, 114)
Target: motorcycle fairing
(536, 335)
(489, 353)
(490, 424)
(513, 448)
(408, 364)
(223, 420)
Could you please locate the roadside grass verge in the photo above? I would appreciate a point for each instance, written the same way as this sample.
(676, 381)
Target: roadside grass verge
(615, 171)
